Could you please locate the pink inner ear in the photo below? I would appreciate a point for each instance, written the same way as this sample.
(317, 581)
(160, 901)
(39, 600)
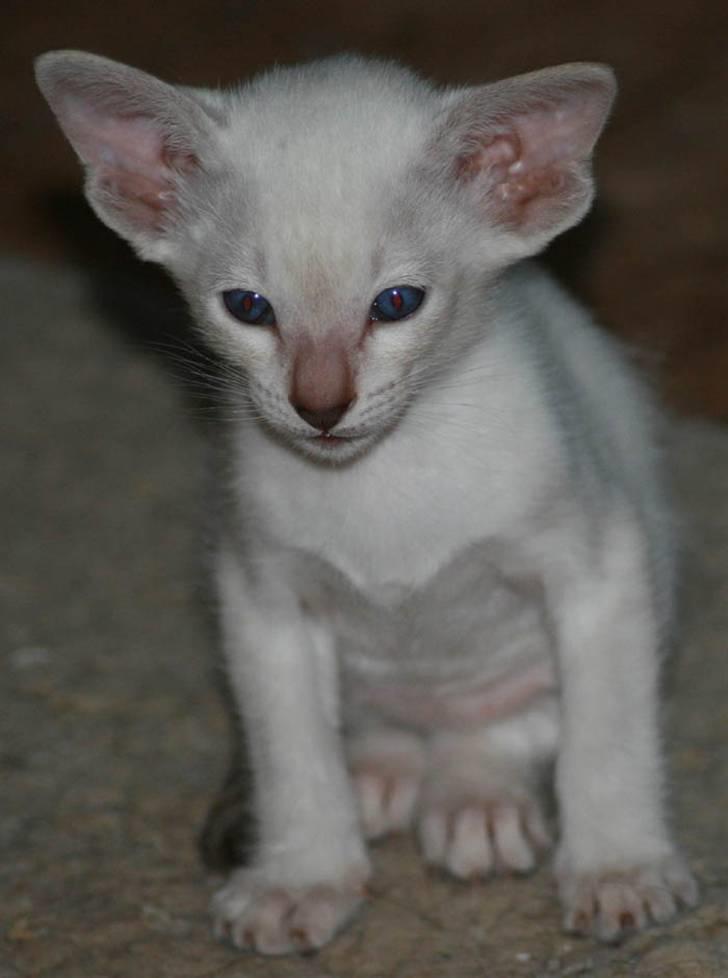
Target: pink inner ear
(495, 156)
(529, 162)
(134, 166)
(515, 179)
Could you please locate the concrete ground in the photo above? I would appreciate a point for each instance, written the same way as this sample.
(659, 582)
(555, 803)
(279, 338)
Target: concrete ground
(113, 737)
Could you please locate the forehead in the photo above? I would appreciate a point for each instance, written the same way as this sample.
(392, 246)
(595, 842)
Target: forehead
(342, 113)
(323, 152)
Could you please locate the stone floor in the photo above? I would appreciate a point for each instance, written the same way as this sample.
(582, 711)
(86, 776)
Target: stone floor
(112, 733)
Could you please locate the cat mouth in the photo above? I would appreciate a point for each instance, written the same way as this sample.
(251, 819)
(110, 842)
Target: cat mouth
(329, 441)
(335, 445)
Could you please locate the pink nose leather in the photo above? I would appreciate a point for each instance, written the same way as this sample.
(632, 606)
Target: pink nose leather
(323, 420)
(322, 386)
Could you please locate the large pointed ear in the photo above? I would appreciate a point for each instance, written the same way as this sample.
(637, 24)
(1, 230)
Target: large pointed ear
(520, 150)
(139, 139)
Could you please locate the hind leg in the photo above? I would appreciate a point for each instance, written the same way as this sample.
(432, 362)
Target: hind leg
(386, 767)
(481, 807)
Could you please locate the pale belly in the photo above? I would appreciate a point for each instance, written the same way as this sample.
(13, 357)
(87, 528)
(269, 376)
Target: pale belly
(468, 648)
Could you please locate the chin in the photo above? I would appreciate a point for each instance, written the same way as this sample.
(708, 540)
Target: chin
(335, 451)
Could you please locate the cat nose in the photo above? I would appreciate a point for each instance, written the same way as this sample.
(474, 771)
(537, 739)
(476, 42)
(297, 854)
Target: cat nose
(323, 418)
(322, 382)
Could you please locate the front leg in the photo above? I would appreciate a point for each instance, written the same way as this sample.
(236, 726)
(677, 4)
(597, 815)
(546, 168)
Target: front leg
(617, 866)
(310, 865)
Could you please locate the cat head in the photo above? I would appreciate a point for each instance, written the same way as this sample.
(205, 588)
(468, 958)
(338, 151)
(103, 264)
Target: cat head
(333, 226)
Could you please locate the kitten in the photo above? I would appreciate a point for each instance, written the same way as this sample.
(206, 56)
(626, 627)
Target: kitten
(446, 559)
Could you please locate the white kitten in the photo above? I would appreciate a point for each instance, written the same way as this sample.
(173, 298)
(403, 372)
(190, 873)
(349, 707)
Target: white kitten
(446, 558)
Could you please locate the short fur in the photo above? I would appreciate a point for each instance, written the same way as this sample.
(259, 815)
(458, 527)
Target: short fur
(470, 573)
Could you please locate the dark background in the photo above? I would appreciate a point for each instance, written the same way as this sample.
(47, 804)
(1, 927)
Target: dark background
(651, 260)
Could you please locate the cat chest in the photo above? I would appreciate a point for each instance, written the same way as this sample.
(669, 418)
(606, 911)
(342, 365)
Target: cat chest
(394, 527)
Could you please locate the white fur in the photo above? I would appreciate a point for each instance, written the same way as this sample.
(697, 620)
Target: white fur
(493, 513)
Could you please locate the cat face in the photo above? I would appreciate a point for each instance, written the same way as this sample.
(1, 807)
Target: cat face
(318, 264)
(333, 227)
(333, 294)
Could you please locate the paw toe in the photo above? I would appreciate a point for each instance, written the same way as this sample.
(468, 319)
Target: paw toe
(471, 852)
(386, 803)
(513, 849)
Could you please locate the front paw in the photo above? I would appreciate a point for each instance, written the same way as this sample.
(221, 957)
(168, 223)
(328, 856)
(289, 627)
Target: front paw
(611, 903)
(275, 918)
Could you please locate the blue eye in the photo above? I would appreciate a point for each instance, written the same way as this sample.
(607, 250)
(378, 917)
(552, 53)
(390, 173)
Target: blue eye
(249, 307)
(396, 303)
